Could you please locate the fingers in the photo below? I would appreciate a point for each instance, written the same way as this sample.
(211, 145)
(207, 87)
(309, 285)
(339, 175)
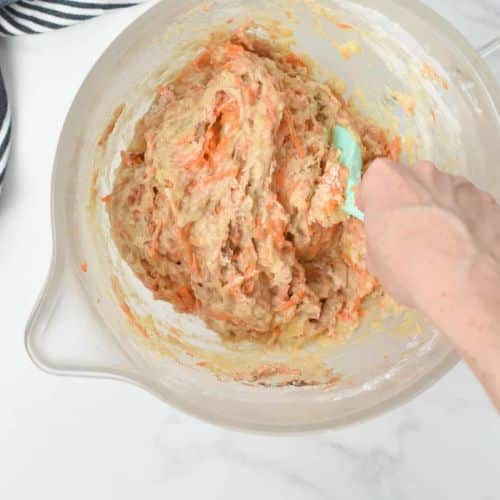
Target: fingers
(388, 185)
(439, 186)
(466, 194)
(376, 182)
(425, 169)
(469, 197)
(488, 198)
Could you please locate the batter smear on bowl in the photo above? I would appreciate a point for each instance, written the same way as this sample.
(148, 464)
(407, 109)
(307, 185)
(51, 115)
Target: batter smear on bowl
(228, 201)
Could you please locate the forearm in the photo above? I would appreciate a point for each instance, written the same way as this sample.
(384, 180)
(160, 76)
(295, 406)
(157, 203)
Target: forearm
(466, 308)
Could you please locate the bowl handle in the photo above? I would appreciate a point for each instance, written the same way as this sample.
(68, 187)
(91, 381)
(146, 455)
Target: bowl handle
(62, 341)
(491, 54)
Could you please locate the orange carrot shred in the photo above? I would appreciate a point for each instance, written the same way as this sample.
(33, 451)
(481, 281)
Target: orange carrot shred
(293, 134)
(153, 248)
(128, 313)
(395, 148)
(288, 304)
(233, 49)
(295, 185)
(107, 198)
(186, 298)
(84, 266)
(275, 335)
(430, 73)
(250, 95)
(215, 178)
(130, 158)
(201, 60)
(220, 315)
(294, 60)
(183, 235)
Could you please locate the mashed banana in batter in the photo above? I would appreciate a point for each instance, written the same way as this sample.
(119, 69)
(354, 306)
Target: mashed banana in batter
(228, 201)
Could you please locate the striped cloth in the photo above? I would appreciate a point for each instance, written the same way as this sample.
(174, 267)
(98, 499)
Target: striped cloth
(21, 17)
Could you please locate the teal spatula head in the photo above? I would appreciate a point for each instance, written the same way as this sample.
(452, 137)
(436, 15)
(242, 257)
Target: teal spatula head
(350, 157)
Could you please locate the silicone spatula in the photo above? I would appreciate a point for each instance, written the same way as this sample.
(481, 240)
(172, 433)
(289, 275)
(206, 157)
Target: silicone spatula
(350, 157)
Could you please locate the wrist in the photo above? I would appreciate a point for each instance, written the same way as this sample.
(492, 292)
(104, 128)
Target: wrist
(476, 328)
(467, 312)
(466, 292)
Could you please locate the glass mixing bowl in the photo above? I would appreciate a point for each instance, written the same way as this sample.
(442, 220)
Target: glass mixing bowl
(401, 50)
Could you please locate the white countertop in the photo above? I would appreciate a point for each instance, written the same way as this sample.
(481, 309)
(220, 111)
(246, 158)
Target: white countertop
(80, 439)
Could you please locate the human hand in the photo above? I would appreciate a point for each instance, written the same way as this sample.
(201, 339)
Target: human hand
(427, 231)
(433, 241)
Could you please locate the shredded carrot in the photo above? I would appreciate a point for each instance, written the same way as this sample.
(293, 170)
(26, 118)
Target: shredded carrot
(248, 286)
(136, 195)
(348, 49)
(183, 235)
(260, 234)
(432, 74)
(233, 172)
(351, 313)
(108, 130)
(186, 298)
(250, 95)
(332, 206)
(344, 26)
(275, 335)
(193, 163)
(125, 308)
(343, 176)
(220, 315)
(280, 180)
(395, 148)
(153, 247)
(294, 60)
(193, 262)
(270, 109)
(202, 60)
(215, 143)
(295, 185)
(150, 138)
(354, 265)
(165, 91)
(128, 313)
(243, 27)
(276, 229)
(294, 300)
(130, 158)
(315, 245)
(274, 369)
(83, 266)
(407, 102)
(234, 279)
(229, 116)
(233, 50)
(183, 140)
(293, 134)
(107, 198)
(218, 208)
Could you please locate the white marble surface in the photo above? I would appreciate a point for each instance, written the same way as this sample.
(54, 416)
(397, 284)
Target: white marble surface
(80, 439)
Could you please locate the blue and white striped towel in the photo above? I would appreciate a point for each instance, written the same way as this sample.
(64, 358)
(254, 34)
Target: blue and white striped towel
(26, 17)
